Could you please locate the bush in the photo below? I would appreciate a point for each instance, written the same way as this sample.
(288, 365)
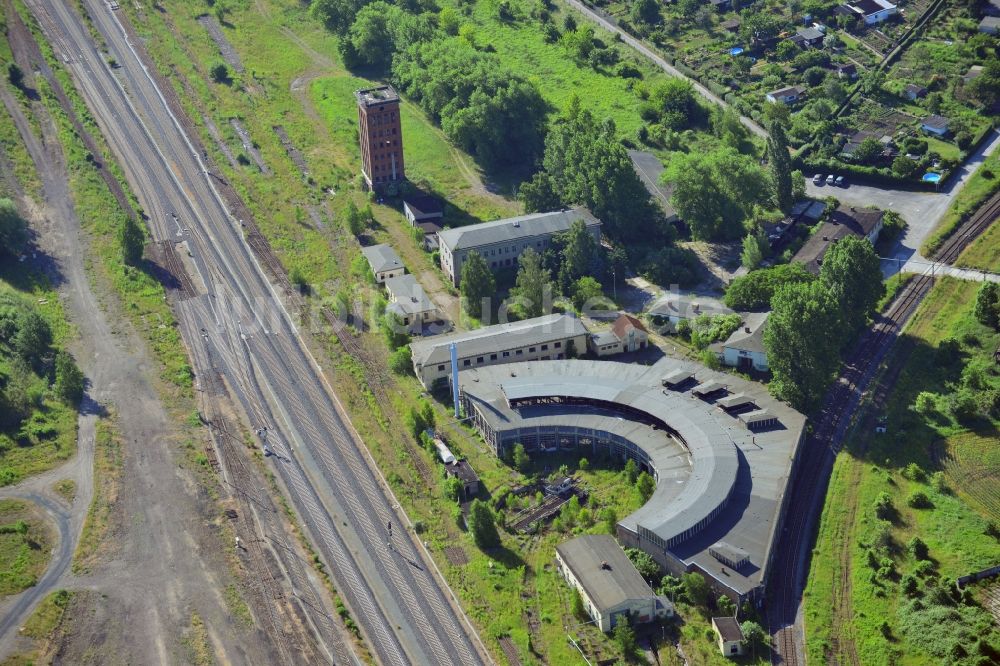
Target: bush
(919, 500)
(401, 361)
(884, 509)
(918, 549)
(220, 73)
(913, 472)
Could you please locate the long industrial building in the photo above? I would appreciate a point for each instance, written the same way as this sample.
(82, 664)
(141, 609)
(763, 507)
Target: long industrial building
(721, 449)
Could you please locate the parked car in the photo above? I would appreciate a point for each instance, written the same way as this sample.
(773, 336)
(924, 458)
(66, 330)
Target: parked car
(818, 179)
(831, 179)
(841, 182)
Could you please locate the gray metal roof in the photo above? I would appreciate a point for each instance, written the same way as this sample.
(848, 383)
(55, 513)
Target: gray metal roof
(497, 338)
(382, 258)
(707, 458)
(750, 335)
(514, 228)
(604, 570)
(408, 296)
(729, 629)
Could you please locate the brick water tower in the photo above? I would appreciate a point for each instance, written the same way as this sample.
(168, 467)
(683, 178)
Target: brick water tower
(381, 137)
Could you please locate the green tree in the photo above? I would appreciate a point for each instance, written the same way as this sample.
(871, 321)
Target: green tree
(587, 290)
(780, 165)
(539, 194)
(394, 331)
(33, 338)
(987, 308)
(726, 606)
(453, 489)
(852, 273)
(624, 636)
(580, 254)
(646, 485)
(696, 589)
(867, 151)
(755, 290)
(754, 634)
(631, 471)
(354, 219)
(802, 348)
(69, 382)
(131, 239)
(714, 192)
(533, 286)
(15, 75)
(675, 102)
(13, 229)
(645, 11)
(482, 525)
(609, 519)
(336, 15)
(401, 361)
(644, 563)
(521, 459)
(731, 130)
(904, 167)
(478, 286)
(754, 246)
(220, 73)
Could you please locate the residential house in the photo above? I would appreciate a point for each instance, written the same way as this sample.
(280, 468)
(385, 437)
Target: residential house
(913, 92)
(501, 242)
(843, 222)
(744, 349)
(550, 337)
(809, 37)
(384, 262)
(788, 95)
(990, 25)
(609, 584)
(937, 125)
(730, 636)
(872, 11)
(672, 308)
(846, 70)
(627, 334)
(408, 301)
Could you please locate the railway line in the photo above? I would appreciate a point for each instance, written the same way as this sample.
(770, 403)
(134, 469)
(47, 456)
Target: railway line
(826, 440)
(404, 610)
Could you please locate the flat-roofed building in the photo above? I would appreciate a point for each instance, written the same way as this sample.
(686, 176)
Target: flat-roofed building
(609, 584)
(383, 261)
(551, 337)
(501, 242)
(409, 301)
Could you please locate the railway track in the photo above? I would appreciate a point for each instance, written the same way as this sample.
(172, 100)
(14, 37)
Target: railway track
(826, 440)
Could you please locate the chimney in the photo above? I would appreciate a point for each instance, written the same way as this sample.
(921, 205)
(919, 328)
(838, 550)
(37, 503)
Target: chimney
(604, 565)
(747, 329)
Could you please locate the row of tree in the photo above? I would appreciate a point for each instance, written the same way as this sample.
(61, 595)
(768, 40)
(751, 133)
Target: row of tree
(813, 320)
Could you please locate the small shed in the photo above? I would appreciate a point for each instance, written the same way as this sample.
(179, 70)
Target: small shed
(912, 91)
(730, 635)
(462, 470)
(937, 125)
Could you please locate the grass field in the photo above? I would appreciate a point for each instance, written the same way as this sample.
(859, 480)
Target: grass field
(25, 545)
(980, 186)
(953, 527)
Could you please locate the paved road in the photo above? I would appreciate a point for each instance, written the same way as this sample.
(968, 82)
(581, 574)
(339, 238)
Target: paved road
(922, 211)
(241, 325)
(660, 62)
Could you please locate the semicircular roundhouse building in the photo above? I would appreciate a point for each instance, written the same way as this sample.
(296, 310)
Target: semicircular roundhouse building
(720, 448)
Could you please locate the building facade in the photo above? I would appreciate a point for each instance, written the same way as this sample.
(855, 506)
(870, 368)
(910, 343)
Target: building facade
(501, 242)
(381, 137)
(551, 337)
(610, 587)
(383, 261)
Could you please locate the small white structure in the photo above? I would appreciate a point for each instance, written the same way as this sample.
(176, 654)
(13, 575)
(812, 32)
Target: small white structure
(744, 349)
(410, 303)
(730, 635)
(872, 11)
(788, 95)
(609, 585)
(937, 125)
(384, 262)
(447, 457)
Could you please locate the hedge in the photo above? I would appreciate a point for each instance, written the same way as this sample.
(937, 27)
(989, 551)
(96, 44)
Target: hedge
(871, 174)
